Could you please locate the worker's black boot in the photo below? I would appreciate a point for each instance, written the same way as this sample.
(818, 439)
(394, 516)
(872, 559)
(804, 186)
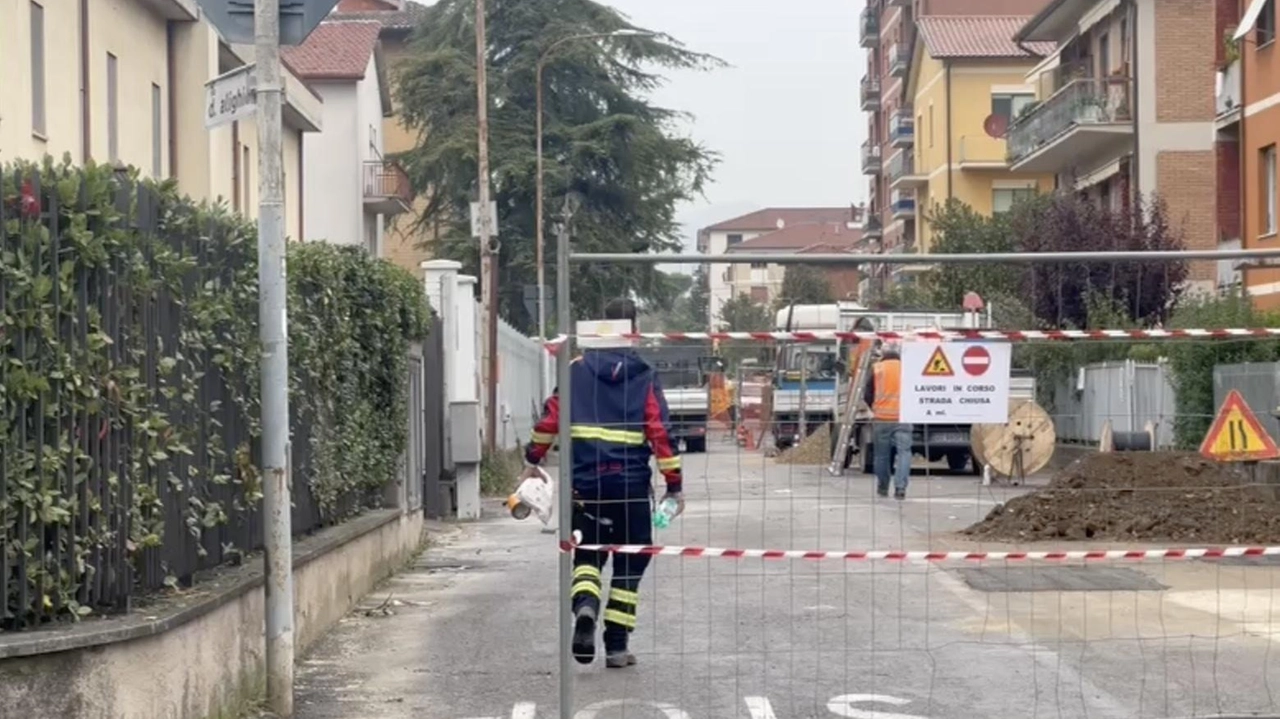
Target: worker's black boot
(619, 659)
(584, 634)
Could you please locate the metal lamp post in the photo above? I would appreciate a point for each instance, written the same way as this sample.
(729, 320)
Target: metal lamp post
(538, 201)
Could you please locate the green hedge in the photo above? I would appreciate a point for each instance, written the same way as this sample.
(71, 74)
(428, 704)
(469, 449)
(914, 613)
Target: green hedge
(129, 386)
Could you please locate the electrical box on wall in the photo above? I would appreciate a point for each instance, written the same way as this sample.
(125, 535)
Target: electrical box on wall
(464, 430)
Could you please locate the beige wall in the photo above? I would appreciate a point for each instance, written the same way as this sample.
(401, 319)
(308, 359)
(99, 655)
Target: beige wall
(137, 37)
(403, 243)
(62, 81)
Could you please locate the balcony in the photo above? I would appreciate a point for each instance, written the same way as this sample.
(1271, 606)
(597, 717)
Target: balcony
(871, 159)
(902, 128)
(869, 34)
(899, 59)
(899, 3)
(901, 171)
(1230, 95)
(872, 227)
(386, 188)
(1088, 120)
(870, 93)
(982, 152)
(902, 204)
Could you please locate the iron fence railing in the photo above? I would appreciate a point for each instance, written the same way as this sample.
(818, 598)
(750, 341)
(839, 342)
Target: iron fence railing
(117, 521)
(1081, 102)
(387, 179)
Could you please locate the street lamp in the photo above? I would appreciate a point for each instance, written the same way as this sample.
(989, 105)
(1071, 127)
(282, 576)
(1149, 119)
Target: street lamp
(542, 284)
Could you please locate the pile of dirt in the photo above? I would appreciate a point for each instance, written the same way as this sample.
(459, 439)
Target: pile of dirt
(1140, 496)
(814, 449)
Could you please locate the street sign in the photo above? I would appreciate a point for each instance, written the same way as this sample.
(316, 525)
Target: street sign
(234, 19)
(493, 220)
(975, 361)
(231, 96)
(933, 393)
(1237, 435)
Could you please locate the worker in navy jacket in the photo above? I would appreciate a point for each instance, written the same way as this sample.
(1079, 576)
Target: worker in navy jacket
(619, 422)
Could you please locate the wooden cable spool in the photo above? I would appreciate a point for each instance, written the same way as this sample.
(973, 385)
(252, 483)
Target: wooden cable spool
(1020, 447)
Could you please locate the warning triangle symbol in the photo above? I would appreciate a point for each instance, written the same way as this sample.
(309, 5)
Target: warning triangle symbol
(938, 364)
(1237, 435)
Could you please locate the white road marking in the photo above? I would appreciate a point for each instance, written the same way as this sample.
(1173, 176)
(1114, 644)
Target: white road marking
(525, 710)
(843, 706)
(666, 711)
(760, 708)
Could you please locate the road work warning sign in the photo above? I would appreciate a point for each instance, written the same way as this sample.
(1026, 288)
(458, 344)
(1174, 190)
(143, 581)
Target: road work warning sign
(1237, 435)
(955, 382)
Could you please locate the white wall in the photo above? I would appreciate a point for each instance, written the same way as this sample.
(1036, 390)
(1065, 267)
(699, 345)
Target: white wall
(720, 288)
(333, 190)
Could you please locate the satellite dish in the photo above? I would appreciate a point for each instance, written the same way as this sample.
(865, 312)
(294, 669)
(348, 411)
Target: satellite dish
(996, 126)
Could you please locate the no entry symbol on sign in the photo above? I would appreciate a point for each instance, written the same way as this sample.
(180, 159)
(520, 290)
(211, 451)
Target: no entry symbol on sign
(975, 361)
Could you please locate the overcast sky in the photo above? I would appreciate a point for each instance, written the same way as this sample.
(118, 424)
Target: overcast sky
(784, 116)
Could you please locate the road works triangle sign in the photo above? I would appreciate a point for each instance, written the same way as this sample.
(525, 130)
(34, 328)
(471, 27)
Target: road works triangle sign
(938, 365)
(1237, 435)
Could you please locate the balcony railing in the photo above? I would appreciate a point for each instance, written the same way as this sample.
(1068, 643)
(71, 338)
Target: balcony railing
(869, 35)
(1080, 103)
(902, 128)
(870, 159)
(872, 227)
(899, 59)
(902, 164)
(979, 151)
(902, 204)
(386, 187)
(870, 93)
(1230, 90)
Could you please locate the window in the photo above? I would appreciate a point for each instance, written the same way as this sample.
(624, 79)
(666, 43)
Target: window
(1104, 55)
(113, 108)
(1268, 203)
(244, 179)
(157, 130)
(1266, 28)
(759, 265)
(734, 240)
(1009, 105)
(930, 124)
(37, 70)
(1003, 199)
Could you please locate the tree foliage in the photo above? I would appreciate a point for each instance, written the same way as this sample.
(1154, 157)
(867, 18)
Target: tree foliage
(742, 314)
(604, 141)
(804, 285)
(1058, 294)
(700, 297)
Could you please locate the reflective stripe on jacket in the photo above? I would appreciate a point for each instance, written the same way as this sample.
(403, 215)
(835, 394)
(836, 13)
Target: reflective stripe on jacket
(887, 376)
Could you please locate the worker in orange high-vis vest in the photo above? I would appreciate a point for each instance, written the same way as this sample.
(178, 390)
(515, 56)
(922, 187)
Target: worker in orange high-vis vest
(892, 438)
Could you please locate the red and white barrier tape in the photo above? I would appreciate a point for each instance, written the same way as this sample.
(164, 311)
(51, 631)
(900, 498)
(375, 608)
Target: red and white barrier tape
(947, 335)
(927, 556)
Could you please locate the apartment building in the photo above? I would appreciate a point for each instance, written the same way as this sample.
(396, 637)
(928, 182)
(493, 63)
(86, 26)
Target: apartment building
(1249, 106)
(404, 241)
(888, 32)
(1125, 105)
(346, 164)
(762, 281)
(723, 236)
(123, 81)
(967, 83)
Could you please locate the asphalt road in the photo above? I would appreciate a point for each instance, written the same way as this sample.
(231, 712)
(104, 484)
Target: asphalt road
(470, 629)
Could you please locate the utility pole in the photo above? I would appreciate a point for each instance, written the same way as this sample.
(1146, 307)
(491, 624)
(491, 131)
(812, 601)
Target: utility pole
(272, 320)
(488, 246)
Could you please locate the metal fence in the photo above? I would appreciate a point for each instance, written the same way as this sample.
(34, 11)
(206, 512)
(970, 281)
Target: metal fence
(1127, 393)
(519, 385)
(94, 511)
(1258, 383)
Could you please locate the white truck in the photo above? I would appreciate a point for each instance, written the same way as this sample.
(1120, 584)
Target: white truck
(683, 373)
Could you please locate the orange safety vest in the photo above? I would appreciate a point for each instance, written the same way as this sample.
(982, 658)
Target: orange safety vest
(887, 376)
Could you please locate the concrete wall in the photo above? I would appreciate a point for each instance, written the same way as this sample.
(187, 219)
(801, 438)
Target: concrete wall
(211, 664)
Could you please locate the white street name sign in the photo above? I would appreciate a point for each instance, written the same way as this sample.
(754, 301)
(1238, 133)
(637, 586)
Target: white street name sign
(230, 97)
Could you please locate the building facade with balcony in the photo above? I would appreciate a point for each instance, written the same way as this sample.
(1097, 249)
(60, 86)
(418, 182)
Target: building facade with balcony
(967, 83)
(405, 241)
(888, 106)
(124, 83)
(762, 281)
(354, 190)
(1251, 72)
(1125, 108)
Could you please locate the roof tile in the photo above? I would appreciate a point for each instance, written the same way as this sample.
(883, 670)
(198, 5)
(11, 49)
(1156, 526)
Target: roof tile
(833, 235)
(975, 36)
(334, 51)
(770, 217)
